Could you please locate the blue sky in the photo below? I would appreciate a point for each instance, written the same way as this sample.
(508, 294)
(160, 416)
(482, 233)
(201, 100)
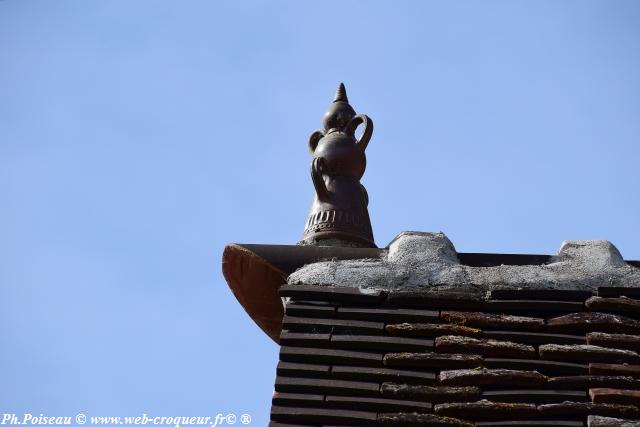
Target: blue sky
(138, 138)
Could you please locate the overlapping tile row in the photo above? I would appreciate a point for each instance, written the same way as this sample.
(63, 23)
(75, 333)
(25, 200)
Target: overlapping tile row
(428, 358)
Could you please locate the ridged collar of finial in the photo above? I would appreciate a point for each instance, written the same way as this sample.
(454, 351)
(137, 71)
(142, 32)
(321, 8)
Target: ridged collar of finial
(339, 112)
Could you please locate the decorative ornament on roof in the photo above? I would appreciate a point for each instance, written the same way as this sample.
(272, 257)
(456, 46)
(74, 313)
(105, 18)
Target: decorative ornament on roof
(338, 213)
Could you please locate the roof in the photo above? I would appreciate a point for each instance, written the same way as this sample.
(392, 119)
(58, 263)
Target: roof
(544, 357)
(419, 334)
(419, 264)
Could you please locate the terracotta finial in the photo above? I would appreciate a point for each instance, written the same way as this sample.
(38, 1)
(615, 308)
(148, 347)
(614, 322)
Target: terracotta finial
(339, 209)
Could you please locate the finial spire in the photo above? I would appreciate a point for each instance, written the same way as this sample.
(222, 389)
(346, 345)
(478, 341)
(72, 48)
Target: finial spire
(341, 94)
(339, 112)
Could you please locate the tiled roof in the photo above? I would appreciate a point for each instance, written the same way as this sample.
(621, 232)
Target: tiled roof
(360, 357)
(413, 266)
(417, 334)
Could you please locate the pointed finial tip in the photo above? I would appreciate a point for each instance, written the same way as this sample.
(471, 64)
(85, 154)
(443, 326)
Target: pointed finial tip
(341, 94)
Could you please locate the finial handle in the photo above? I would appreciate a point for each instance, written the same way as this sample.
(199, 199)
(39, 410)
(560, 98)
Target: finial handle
(317, 166)
(367, 132)
(314, 138)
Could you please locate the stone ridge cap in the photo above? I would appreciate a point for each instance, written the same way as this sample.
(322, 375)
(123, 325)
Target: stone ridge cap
(419, 260)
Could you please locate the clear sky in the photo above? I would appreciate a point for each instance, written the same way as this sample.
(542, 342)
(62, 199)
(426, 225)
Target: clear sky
(137, 138)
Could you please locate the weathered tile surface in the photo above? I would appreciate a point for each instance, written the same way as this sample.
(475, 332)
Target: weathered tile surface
(530, 423)
(588, 408)
(485, 409)
(587, 353)
(413, 419)
(594, 322)
(613, 395)
(432, 360)
(492, 321)
(622, 305)
(483, 377)
(431, 330)
(547, 367)
(349, 359)
(614, 369)
(534, 338)
(483, 347)
(434, 394)
(623, 341)
(534, 395)
(597, 421)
